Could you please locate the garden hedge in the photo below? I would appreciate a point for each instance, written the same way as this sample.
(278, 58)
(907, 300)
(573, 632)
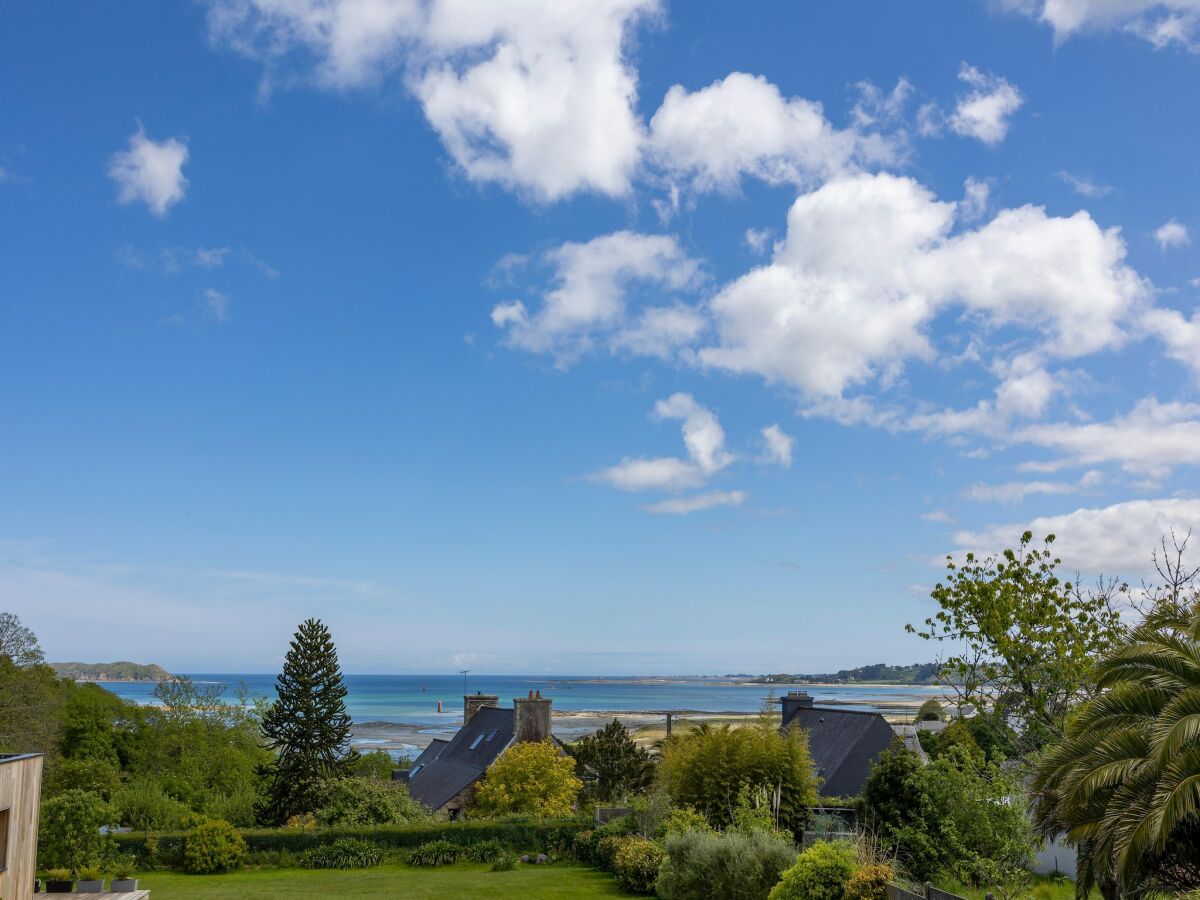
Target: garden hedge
(518, 833)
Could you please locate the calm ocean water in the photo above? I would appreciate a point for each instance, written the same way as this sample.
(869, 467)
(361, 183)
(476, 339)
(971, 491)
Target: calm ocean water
(413, 699)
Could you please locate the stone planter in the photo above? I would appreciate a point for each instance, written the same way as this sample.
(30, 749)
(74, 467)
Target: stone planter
(88, 886)
(123, 884)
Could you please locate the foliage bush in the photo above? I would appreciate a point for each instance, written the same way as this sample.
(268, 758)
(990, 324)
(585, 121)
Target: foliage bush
(870, 882)
(143, 805)
(606, 850)
(69, 831)
(486, 851)
(365, 801)
(707, 769)
(636, 864)
(523, 832)
(735, 865)
(213, 846)
(583, 846)
(955, 815)
(347, 853)
(820, 873)
(435, 853)
(531, 778)
(505, 863)
(681, 820)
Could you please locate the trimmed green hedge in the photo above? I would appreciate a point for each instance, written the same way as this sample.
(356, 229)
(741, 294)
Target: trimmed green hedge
(518, 833)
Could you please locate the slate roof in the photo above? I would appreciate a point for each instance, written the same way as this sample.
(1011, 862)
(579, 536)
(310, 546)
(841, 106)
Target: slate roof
(430, 753)
(844, 744)
(462, 759)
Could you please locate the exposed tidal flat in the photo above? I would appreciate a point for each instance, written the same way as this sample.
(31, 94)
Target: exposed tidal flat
(400, 713)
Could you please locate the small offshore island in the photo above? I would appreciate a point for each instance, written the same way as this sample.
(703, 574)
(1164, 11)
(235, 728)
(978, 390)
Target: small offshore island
(114, 671)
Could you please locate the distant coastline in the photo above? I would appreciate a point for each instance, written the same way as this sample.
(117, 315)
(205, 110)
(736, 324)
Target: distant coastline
(122, 671)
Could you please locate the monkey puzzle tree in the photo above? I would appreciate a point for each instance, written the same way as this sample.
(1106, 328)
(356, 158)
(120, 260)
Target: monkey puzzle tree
(307, 726)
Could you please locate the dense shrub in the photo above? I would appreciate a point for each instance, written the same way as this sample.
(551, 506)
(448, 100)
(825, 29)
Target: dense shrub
(525, 833)
(486, 851)
(348, 853)
(506, 863)
(708, 769)
(583, 846)
(869, 882)
(734, 866)
(532, 778)
(636, 864)
(213, 846)
(144, 806)
(606, 850)
(681, 820)
(367, 801)
(69, 833)
(954, 815)
(435, 853)
(820, 873)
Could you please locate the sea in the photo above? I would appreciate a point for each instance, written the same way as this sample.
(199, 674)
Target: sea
(431, 700)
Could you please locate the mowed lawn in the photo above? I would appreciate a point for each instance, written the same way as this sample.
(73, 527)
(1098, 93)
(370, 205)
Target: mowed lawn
(559, 881)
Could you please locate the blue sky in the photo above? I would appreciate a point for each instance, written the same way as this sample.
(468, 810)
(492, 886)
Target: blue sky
(631, 337)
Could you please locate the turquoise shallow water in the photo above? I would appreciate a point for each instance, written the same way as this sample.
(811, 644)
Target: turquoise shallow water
(413, 698)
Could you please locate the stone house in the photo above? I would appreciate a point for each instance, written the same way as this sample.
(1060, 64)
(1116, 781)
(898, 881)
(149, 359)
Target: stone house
(444, 776)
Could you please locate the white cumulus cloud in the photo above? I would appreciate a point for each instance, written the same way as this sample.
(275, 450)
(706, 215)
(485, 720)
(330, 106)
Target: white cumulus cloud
(150, 172)
(1114, 540)
(1172, 234)
(777, 446)
(984, 112)
(1161, 22)
(741, 126)
(823, 316)
(590, 299)
(703, 439)
(535, 95)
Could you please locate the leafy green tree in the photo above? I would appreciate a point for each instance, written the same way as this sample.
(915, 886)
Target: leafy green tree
(93, 723)
(955, 815)
(709, 769)
(611, 765)
(1125, 782)
(307, 726)
(376, 765)
(930, 711)
(19, 643)
(956, 734)
(69, 830)
(31, 700)
(1030, 639)
(533, 778)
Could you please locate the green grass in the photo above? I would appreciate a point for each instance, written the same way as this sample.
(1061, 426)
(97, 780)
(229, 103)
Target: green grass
(554, 882)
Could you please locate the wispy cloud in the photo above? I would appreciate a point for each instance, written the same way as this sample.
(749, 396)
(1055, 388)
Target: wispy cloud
(682, 506)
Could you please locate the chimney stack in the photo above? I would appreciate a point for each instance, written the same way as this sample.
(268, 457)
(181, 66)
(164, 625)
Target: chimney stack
(473, 703)
(531, 717)
(793, 701)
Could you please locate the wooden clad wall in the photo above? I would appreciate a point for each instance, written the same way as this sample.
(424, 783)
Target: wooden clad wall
(20, 794)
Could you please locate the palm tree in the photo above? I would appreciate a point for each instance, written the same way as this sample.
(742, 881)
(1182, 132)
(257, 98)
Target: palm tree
(1125, 782)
